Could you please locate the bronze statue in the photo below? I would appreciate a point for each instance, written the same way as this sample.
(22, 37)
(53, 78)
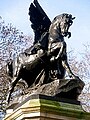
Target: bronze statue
(46, 60)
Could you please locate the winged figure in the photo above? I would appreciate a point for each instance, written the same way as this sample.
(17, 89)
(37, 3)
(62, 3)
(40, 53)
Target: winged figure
(46, 59)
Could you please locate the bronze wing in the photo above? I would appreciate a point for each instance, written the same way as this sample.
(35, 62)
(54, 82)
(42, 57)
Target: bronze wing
(39, 19)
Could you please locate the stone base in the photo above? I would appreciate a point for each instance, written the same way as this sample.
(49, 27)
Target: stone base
(62, 88)
(41, 107)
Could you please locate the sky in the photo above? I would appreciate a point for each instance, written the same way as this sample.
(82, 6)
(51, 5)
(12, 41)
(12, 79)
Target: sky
(16, 12)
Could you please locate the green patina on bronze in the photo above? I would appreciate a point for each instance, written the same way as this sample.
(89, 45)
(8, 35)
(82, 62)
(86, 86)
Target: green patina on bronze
(64, 109)
(60, 108)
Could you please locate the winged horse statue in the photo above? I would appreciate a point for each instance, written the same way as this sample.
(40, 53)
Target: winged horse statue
(46, 59)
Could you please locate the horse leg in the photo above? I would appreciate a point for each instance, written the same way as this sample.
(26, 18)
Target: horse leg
(11, 88)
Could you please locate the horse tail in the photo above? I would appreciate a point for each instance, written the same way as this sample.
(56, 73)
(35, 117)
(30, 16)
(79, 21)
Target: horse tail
(10, 68)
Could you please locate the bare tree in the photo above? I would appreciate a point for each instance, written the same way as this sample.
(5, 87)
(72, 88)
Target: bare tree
(12, 42)
(82, 69)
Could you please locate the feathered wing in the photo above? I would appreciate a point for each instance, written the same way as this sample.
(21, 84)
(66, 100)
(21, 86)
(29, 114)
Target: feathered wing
(39, 19)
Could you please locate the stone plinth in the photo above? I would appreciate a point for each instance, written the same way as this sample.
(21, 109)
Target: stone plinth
(41, 107)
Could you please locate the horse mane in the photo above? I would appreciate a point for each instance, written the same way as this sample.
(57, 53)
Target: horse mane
(61, 17)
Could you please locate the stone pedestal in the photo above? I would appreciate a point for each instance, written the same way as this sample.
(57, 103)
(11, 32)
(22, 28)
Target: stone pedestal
(41, 107)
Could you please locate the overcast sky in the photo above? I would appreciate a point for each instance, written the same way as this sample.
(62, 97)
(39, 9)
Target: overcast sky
(16, 12)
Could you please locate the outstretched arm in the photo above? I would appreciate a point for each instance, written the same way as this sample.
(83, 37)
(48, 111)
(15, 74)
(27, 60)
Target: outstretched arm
(61, 46)
(66, 66)
(62, 50)
(63, 55)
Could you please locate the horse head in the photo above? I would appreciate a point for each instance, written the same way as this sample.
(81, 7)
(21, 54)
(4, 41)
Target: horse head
(65, 20)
